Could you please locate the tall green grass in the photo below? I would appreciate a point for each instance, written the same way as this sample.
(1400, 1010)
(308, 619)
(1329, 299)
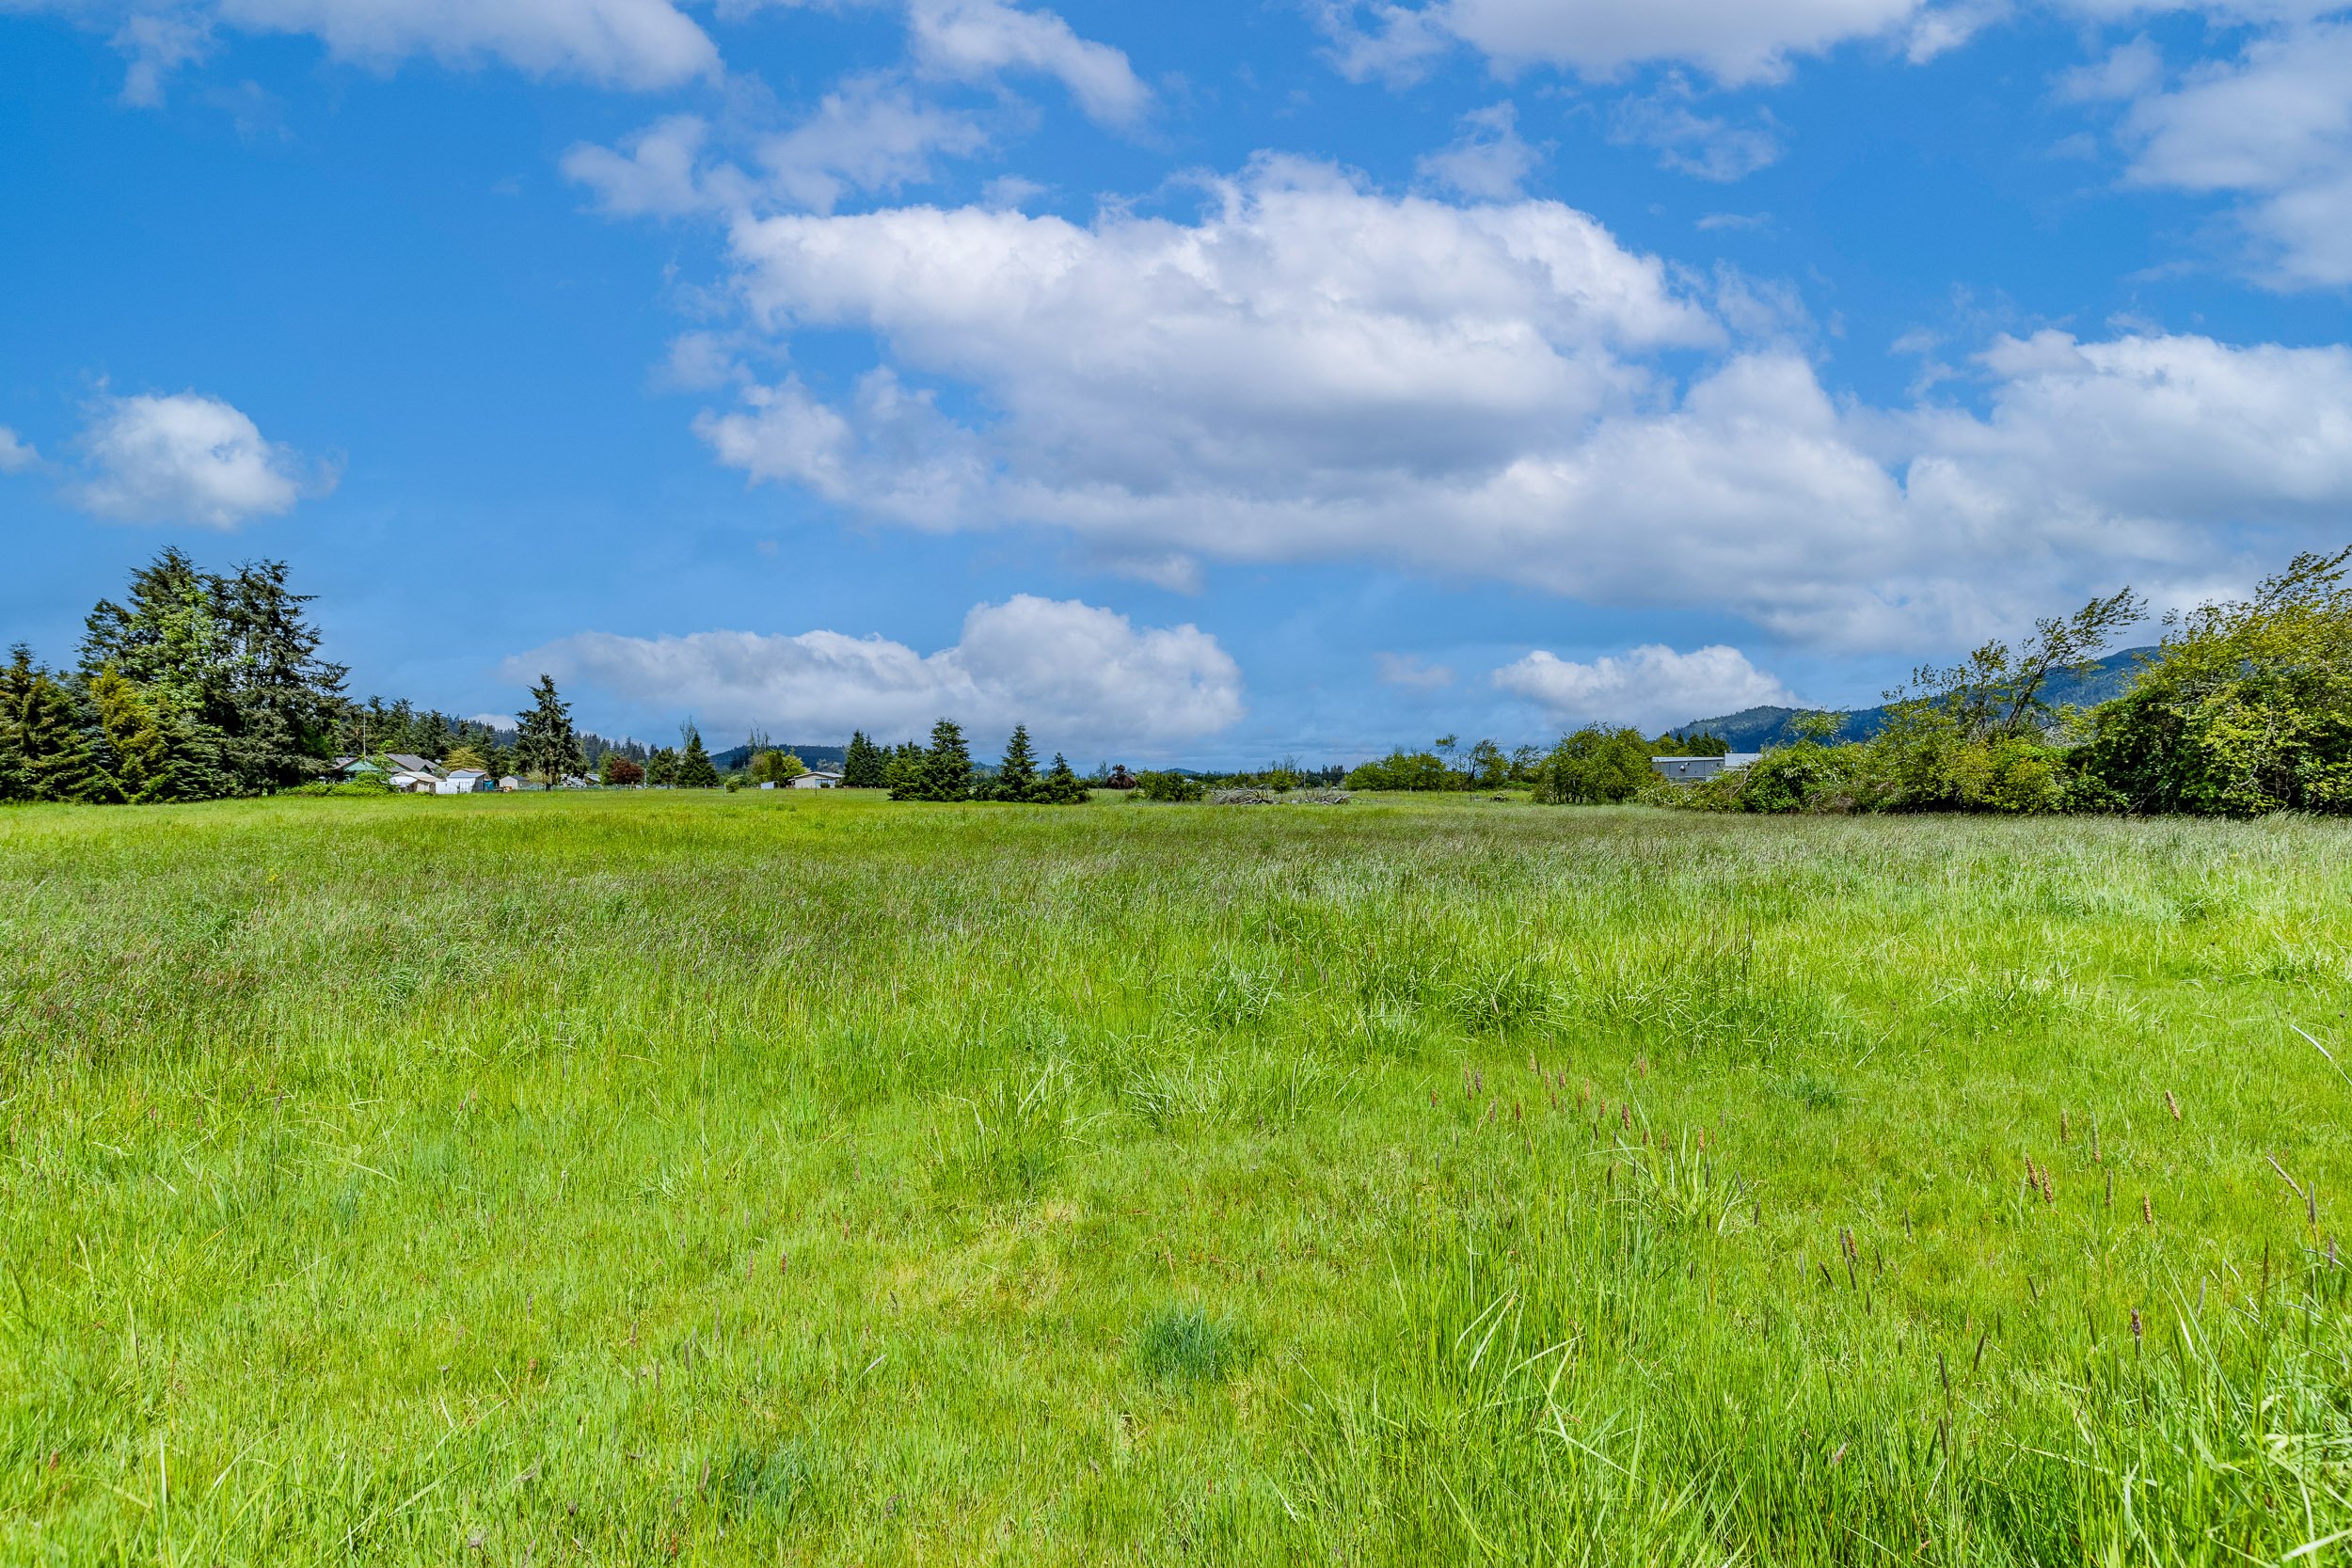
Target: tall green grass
(668, 1178)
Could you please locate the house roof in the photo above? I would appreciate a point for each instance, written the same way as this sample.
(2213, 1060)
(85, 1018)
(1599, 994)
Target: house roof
(409, 761)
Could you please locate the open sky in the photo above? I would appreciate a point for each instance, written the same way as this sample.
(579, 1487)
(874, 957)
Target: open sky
(1198, 379)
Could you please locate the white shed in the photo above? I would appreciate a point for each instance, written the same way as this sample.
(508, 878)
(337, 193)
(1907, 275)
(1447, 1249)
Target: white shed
(1691, 769)
(815, 779)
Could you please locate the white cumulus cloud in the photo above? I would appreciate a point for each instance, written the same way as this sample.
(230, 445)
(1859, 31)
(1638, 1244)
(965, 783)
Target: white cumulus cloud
(625, 43)
(1313, 369)
(16, 453)
(1489, 161)
(2274, 127)
(1733, 40)
(1651, 688)
(978, 39)
(187, 458)
(1085, 679)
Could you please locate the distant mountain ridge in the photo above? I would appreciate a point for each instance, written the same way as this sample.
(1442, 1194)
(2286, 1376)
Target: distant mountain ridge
(1755, 729)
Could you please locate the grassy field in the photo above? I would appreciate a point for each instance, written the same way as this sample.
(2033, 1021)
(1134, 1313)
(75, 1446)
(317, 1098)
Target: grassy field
(665, 1177)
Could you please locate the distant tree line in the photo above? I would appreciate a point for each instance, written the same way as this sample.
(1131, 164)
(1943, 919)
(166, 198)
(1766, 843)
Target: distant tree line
(942, 770)
(2245, 708)
(200, 685)
(195, 685)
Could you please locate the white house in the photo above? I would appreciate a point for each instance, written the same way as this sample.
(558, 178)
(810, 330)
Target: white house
(408, 783)
(466, 781)
(815, 779)
(1691, 769)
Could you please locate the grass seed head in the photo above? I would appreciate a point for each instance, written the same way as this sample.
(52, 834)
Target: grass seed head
(2172, 1105)
(2147, 1210)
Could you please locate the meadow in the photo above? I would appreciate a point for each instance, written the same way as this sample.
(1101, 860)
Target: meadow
(701, 1178)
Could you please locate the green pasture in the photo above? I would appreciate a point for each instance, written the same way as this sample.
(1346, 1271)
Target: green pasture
(782, 1177)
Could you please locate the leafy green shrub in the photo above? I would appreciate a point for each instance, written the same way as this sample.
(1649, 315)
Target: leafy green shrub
(363, 785)
(1403, 770)
(2249, 710)
(1167, 787)
(1596, 766)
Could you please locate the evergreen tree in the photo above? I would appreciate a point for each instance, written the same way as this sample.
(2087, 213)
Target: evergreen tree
(904, 763)
(942, 773)
(284, 696)
(695, 770)
(863, 763)
(1060, 787)
(43, 736)
(16, 685)
(231, 660)
(433, 737)
(777, 767)
(1016, 776)
(152, 753)
(662, 768)
(545, 747)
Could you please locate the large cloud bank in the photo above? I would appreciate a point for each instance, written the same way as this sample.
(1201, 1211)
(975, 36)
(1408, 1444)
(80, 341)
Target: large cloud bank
(1086, 680)
(1315, 370)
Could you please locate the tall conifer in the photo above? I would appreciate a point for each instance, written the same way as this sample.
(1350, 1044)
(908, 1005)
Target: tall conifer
(546, 746)
(695, 770)
(1016, 776)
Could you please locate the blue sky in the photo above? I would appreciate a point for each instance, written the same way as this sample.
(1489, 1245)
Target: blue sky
(1210, 381)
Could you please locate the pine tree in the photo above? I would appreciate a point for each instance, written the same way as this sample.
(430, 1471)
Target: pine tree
(942, 772)
(1060, 787)
(1016, 776)
(284, 698)
(153, 754)
(695, 770)
(863, 762)
(662, 768)
(16, 685)
(44, 737)
(231, 660)
(545, 747)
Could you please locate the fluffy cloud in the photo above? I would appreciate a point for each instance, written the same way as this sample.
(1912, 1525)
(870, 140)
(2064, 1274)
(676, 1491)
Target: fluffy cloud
(628, 43)
(1314, 371)
(186, 458)
(1489, 161)
(16, 455)
(1303, 323)
(1080, 678)
(2274, 126)
(1707, 145)
(1651, 687)
(870, 133)
(1084, 679)
(1733, 40)
(976, 40)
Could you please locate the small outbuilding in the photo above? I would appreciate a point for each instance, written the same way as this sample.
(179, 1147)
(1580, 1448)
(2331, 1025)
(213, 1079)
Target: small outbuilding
(815, 779)
(467, 781)
(1691, 769)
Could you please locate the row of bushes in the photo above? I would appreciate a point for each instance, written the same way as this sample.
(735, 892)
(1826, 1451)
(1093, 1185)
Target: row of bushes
(2246, 708)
